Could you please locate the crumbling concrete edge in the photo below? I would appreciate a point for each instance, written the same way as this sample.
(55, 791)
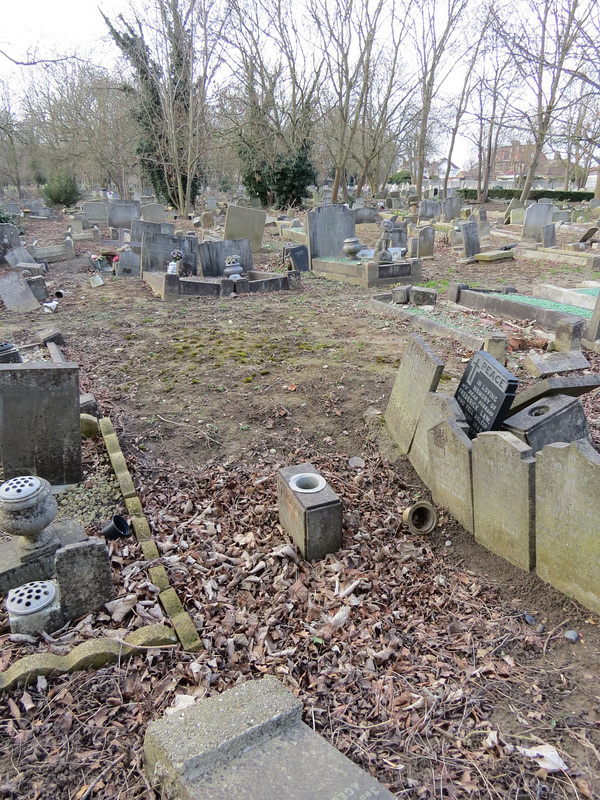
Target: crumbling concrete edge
(381, 304)
(93, 653)
(180, 619)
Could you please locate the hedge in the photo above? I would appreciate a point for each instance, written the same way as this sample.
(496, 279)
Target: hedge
(535, 194)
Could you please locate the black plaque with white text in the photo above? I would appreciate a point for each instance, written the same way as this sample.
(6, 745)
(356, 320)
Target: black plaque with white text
(485, 393)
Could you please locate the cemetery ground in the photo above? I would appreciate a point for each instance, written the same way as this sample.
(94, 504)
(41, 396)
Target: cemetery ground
(412, 655)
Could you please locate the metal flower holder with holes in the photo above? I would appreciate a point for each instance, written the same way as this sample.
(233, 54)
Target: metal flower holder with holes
(176, 257)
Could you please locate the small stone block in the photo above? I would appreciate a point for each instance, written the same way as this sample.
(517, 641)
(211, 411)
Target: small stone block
(553, 419)
(454, 290)
(89, 426)
(574, 386)
(569, 333)
(50, 335)
(88, 404)
(112, 443)
(126, 485)
(496, 344)
(117, 459)
(423, 296)
(149, 549)
(401, 294)
(158, 576)
(540, 366)
(134, 507)
(170, 602)
(84, 577)
(312, 519)
(151, 636)
(187, 633)
(141, 527)
(494, 255)
(106, 426)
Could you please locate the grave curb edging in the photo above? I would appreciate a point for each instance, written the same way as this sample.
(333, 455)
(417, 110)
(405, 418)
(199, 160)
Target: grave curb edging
(182, 622)
(92, 653)
(468, 340)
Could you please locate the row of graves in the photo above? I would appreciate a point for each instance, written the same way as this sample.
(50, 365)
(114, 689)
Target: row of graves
(519, 471)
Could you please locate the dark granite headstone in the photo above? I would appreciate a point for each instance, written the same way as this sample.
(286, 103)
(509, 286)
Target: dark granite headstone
(485, 393)
(298, 254)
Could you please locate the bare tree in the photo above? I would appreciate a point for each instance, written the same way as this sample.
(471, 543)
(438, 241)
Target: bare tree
(542, 50)
(433, 30)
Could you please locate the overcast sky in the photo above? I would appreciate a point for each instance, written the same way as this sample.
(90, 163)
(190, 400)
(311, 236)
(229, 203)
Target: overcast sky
(50, 28)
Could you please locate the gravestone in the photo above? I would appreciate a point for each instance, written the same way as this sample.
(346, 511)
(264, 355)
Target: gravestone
(399, 234)
(542, 365)
(212, 256)
(208, 220)
(481, 214)
(425, 242)
(11, 207)
(328, 226)
(574, 386)
(96, 213)
(152, 212)
(245, 223)
(419, 373)
(435, 409)
(39, 421)
(84, 577)
(485, 393)
(549, 235)
(589, 234)
(567, 514)
(298, 254)
(211, 204)
(157, 249)
(450, 471)
(450, 208)
(552, 419)
(471, 244)
(16, 293)
(504, 497)
(429, 209)
(121, 214)
(517, 216)
(365, 214)
(9, 240)
(593, 328)
(536, 216)
(140, 227)
(128, 264)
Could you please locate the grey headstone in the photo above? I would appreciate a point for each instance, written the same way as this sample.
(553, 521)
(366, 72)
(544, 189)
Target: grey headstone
(96, 213)
(208, 220)
(84, 578)
(19, 256)
(470, 239)
(328, 226)
(121, 214)
(157, 249)
(139, 227)
(298, 254)
(589, 234)
(365, 214)
(152, 212)
(504, 497)
(39, 421)
(426, 242)
(245, 223)
(211, 204)
(536, 216)
(567, 514)
(450, 208)
(485, 393)
(540, 366)
(419, 373)
(9, 240)
(16, 293)
(212, 256)
(128, 264)
(549, 235)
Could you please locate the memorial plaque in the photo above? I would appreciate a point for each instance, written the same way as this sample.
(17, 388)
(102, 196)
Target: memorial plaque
(485, 393)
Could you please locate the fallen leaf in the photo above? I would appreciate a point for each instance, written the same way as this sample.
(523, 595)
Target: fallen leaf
(546, 756)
